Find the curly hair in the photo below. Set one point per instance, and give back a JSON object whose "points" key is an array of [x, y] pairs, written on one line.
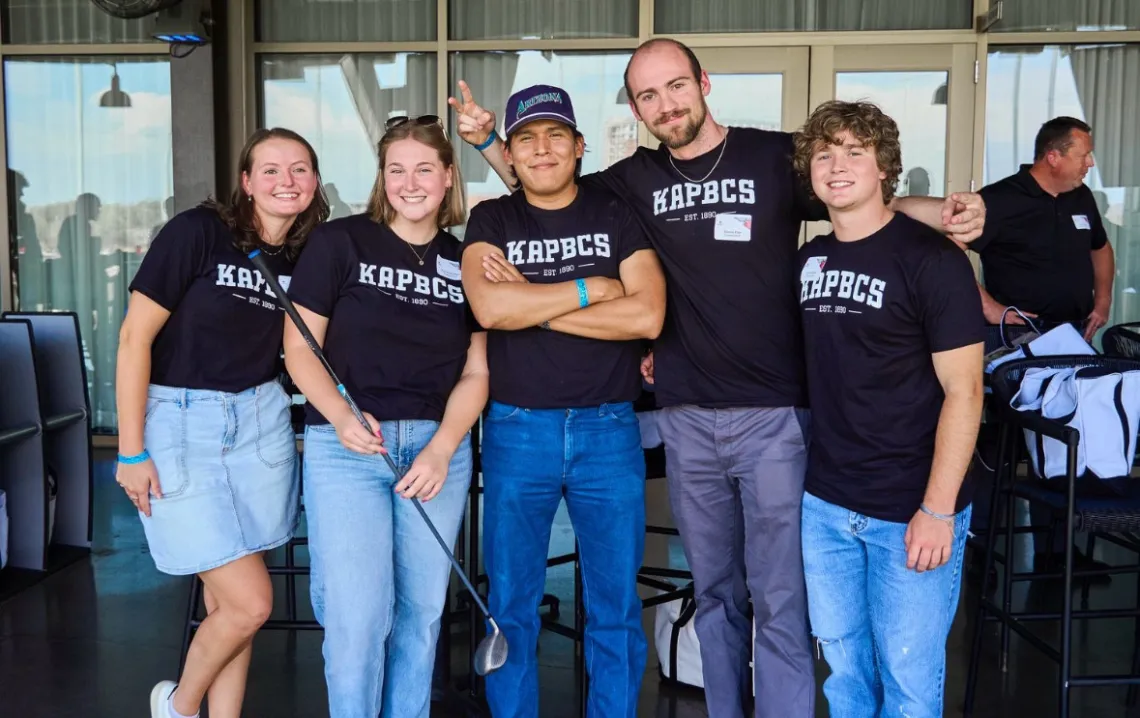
{"points": [[239, 213], [869, 125]]}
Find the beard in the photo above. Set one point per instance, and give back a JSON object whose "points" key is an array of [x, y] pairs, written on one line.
{"points": [[681, 135]]}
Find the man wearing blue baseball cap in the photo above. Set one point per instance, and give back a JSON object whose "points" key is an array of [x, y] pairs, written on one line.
{"points": [[723, 208], [564, 279]]}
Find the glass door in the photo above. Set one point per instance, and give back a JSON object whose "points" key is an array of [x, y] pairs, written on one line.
{"points": [[927, 89], [765, 87]]}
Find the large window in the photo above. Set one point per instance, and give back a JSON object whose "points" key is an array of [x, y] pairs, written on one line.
{"points": [[339, 103], [89, 180], [685, 16], [594, 82], [1101, 85]]}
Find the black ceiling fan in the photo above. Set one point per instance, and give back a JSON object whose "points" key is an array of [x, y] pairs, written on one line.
{"points": [[132, 9]]}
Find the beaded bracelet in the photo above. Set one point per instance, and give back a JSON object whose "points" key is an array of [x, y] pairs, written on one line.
{"points": [[136, 459], [583, 295]]}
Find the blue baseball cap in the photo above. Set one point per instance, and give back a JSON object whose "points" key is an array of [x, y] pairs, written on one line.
{"points": [[539, 102]]}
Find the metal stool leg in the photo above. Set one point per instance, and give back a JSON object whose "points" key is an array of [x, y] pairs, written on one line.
{"points": [[997, 493], [290, 583]]}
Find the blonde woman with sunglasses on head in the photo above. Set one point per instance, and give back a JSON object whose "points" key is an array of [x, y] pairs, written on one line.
{"points": [[381, 293]]}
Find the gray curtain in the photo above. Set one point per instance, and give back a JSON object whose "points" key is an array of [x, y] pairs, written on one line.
{"points": [[346, 21], [1037, 15], [682, 16], [68, 21], [546, 19]]}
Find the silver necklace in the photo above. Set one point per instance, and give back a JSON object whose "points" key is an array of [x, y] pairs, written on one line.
{"points": [[715, 164], [413, 248], [266, 246]]}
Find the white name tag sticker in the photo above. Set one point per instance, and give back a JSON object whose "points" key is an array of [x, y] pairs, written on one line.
{"points": [[813, 269], [1081, 221], [733, 227], [447, 268]]}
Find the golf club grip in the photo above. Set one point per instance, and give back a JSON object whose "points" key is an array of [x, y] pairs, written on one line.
{"points": [[291, 310], [259, 262]]}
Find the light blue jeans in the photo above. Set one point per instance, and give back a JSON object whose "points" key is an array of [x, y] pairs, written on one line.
{"points": [[882, 627], [379, 578]]}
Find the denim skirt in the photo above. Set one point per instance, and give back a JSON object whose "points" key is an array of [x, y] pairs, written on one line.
{"points": [[229, 474]]}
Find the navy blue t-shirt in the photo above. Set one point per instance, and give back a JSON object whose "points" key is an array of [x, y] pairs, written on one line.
{"points": [[726, 227], [874, 311], [540, 369], [225, 327], [398, 331]]}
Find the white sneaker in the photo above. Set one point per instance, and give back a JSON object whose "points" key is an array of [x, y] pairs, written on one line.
{"points": [[160, 699]]}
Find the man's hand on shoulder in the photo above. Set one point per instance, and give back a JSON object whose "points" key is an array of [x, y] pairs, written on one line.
{"points": [[964, 216]]}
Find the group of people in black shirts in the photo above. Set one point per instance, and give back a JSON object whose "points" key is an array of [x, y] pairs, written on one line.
{"points": [[819, 406]]}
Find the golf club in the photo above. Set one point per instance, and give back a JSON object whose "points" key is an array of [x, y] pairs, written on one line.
{"points": [[492, 651]]}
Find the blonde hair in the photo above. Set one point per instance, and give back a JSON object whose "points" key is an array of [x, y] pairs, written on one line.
{"points": [[453, 209]]}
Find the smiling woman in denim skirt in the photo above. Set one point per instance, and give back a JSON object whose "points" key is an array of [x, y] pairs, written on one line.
{"points": [[207, 452]]}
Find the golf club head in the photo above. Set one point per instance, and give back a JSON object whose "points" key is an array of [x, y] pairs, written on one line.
{"points": [[492, 652]]}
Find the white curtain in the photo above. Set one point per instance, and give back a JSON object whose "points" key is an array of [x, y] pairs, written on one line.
{"points": [[69, 21], [524, 19], [346, 20], [1108, 84], [374, 103], [492, 75], [810, 15]]}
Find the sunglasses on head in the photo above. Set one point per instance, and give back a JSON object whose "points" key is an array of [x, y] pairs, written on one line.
{"points": [[394, 122]]}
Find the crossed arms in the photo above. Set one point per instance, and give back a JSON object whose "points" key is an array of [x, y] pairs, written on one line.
{"points": [[502, 298]]}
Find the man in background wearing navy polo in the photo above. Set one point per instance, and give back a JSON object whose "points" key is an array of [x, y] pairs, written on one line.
{"points": [[563, 277], [1044, 250]]}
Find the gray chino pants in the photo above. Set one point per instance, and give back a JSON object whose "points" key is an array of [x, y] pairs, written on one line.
{"points": [[736, 481]]}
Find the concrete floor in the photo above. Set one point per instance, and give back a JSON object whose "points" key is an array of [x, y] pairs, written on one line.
{"points": [[91, 639]]}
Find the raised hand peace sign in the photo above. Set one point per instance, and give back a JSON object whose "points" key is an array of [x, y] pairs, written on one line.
{"points": [[474, 124]]}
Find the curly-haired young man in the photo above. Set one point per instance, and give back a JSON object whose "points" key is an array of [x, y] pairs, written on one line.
{"points": [[893, 332]]}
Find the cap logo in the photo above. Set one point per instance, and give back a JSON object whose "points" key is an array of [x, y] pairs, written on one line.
{"points": [[525, 105]]}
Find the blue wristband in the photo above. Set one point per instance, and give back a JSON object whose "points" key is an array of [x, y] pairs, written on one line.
{"points": [[583, 295], [136, 459], [490, 141]]}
